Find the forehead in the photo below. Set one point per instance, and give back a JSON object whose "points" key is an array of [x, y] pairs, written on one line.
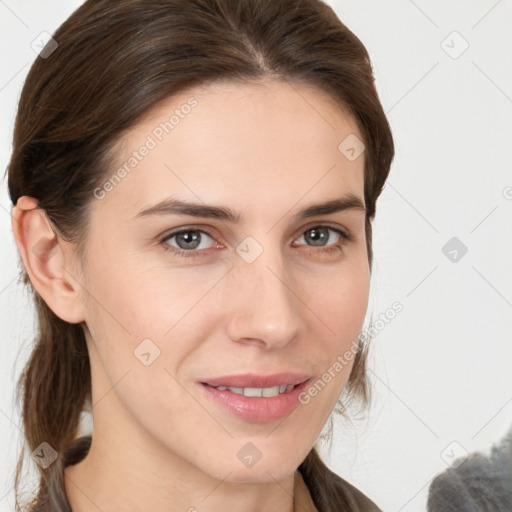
{"points": [[237, 143]]}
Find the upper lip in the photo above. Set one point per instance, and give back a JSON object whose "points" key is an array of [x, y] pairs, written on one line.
{"points": [[257, 381]]}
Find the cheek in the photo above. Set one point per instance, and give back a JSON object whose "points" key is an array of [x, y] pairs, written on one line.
{"points": [[142, 299], [340, 305], [341, 299], [148, 319], [141, 330]]}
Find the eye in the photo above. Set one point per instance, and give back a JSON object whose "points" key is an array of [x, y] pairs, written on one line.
{"points": [[187, 241], [319, 235], [194, 242]]}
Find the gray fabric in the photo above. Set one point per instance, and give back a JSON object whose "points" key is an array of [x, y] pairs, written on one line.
{"points": [[479, 484]]}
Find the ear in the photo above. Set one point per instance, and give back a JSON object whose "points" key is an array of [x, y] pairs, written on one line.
{"points": [[46, 259]]}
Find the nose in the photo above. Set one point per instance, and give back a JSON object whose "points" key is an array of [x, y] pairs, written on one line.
{"points": [[265, 309]]}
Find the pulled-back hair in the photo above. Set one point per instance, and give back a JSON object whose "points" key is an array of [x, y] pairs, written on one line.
{"points": [[114, 61]]}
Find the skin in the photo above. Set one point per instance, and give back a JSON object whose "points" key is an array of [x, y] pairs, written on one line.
{"points": [[266, 150]]}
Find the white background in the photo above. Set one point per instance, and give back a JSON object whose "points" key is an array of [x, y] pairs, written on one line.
{"points": [[441, 368]]}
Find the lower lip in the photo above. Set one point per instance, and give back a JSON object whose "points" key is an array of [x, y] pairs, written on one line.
{"points": [[259, 409]]}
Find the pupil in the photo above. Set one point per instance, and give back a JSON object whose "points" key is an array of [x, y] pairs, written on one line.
{"points": [[190, 241], [318, 235]]}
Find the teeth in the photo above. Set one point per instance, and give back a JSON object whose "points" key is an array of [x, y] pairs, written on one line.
{"points": [[259, 392]]}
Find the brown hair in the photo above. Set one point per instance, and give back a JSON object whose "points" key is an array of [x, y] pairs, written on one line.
{"points": [[114, 61]]}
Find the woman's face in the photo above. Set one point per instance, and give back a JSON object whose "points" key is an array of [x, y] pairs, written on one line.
{"points": [[257, 292]]}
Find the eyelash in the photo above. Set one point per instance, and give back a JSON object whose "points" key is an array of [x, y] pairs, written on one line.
{"points": [[345, 237]]}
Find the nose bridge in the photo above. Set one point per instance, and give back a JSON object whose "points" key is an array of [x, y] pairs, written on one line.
{"points": [[265, 307]]}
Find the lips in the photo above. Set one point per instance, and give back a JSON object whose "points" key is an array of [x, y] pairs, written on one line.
{"points": [[256, 381], [255, 408]]}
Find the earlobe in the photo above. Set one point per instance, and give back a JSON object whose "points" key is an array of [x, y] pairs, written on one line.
{"points": [[43, 255]]}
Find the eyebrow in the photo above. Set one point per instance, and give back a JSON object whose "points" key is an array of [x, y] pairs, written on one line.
{"points": [[176, 207]]}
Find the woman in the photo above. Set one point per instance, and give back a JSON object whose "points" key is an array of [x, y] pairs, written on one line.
{"points": [[193, 186]]}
